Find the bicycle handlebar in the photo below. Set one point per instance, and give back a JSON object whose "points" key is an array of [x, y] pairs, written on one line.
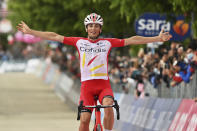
{"points": [[99, 106], [116, 106], [80, 107]]}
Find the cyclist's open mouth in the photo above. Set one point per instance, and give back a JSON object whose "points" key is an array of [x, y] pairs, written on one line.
{"points": [[93, 33]]}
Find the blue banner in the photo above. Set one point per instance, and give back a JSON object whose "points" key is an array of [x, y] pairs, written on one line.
{"points": [[150, 24], [157, 117], [148, 114], [136, 114]]}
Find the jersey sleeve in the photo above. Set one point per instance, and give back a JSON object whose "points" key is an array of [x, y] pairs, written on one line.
{"points": [[71, 40], [117, 42]]}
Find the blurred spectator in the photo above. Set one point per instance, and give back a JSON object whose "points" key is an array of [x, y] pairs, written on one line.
{"points": [[5, 55], [140, 90], [195, 99], [169, 64]]}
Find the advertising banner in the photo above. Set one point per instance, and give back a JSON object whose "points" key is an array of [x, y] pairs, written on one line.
{"points": [[183, 115], [150, 24], [162, 114], [148, 114], [191, 125]]}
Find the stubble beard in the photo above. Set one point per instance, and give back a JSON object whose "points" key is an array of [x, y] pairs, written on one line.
{"points": [[93, 37]]}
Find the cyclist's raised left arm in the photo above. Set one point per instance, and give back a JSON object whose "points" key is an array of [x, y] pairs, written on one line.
{"points": [[163, 36], [44, 35]]}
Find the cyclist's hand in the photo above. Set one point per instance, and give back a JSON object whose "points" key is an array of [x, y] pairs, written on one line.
{"points": [[164, 36], [23, 28]]}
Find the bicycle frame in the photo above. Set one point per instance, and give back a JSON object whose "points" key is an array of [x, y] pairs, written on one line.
{"points": [[98, 126], [97, 119]]}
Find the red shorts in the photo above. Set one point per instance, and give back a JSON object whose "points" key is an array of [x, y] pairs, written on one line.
{"points": [[96, 87]]}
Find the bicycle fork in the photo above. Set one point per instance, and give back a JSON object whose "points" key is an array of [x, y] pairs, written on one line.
{"points": [[98, 126]]}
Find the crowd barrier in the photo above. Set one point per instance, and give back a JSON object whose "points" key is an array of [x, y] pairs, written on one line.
{"points": [[182, 90], [64, 86], [147, 114], [12, 66]]}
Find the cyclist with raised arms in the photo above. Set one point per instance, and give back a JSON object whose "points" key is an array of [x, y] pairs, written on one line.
{"points": [[93, 55]]}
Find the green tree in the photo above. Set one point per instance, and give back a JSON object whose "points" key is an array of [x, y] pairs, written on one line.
{"points": [[132, 9], [66, 17]]}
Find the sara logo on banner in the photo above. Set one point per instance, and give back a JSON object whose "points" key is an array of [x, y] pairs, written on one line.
{"points": [[150, 24]]}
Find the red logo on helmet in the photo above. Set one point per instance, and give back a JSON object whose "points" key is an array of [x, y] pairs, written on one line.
{"points": [[94, 17], [181, 28]]}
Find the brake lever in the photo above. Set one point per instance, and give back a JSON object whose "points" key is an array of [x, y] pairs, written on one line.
{"points": [[80, 107], [117, 109]]}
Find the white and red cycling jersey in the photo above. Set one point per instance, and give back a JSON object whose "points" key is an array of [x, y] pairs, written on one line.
{"points": [[93, 55]]}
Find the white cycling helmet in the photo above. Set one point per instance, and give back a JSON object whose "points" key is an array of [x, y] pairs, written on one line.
{"points": [[93, 18]]}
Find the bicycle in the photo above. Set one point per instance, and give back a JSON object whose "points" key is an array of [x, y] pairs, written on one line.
{"points": [[98, 126]]}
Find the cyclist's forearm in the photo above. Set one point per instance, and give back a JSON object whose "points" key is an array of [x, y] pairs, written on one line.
{"points": [[44, 35], [141, 40]]}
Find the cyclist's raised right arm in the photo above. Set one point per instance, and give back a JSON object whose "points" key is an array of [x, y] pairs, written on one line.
{"points": [[44, 35]]}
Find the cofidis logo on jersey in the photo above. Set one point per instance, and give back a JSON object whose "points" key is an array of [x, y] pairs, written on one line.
{"points": [[84, 49], [150, 24]]}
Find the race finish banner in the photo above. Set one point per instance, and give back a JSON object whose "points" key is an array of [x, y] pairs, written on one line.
{"points": [[186, 117], [150, 24]]}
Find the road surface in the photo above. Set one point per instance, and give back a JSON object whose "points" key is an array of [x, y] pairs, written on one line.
{"points": [[28, 104]]}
